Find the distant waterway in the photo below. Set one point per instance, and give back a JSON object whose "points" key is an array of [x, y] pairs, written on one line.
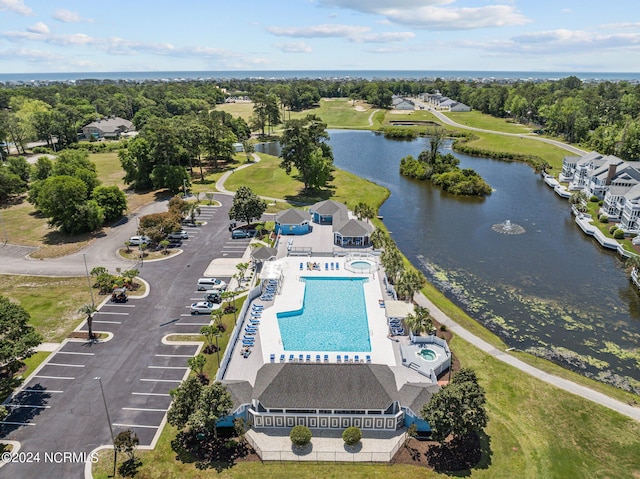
{"points": [[551, 290]]}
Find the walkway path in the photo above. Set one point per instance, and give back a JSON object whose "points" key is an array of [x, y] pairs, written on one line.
{"points": [[445, 119], [574, 388], [221, 181], [371, 117]]}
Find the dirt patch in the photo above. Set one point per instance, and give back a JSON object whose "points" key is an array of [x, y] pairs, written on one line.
{"points": [[360, 108]]}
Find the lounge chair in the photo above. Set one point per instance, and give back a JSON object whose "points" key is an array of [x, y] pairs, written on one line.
{"points": [[300, 266], [339, 359], [257, 307], [272, 358], [301, 358], [346, 358], [338, 266], [326, 358], [291, 358], [308, 358], [368, 358], [282, 358], [249, 333], [326, 266], [357, 358], [317, 358], [332, 266]]}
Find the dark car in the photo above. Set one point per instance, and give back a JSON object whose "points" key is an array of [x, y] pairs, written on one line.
{"points": [[213, 297]]}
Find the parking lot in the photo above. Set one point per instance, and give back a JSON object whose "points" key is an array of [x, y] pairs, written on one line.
{"points": [[61, 408]]}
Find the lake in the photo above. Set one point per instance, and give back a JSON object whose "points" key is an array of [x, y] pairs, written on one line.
{"points": [[551, 291]]}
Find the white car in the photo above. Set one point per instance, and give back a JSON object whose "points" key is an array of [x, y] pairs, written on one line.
{"points": [[138, 240], [203, 307], [178, 235]]}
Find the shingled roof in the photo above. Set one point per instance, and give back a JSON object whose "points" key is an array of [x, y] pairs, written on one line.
{"points": [[330, 207], [325, 386], [292, 216], [352, 228]]}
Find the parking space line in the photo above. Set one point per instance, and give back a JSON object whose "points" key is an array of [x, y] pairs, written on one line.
{"points": [[162, 380], [53, 377], [143, 409], [72, 352], [174, 355], [136, 425], [167, 367], [113, 312], [151, 394], [12, 423], [119, 305], [28, 406], [106, 322], [46, 391], [191, 324], [66, 365]]}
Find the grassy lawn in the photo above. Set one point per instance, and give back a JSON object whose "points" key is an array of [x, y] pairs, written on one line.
{"points": [[477, 119], [108, 168], [266, 178], [53, 303], [28, 366], [242, 109], [340, 113], [592, 209]]}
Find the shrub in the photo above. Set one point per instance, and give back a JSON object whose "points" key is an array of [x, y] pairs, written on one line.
{"points": [[443, 327], [300, 436], [612, 228], [618, 234], [351, 436], [594, 199], [600, 203], [604, 219]]}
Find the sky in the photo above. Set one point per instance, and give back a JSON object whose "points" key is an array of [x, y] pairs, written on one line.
{"points": [[200, 35]]}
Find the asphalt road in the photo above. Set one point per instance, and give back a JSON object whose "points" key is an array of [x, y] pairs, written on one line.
{"points": [[61, 409]]}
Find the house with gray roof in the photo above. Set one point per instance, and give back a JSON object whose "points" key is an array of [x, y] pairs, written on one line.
{"points": [[399, 103], [352, 232], [328, 396], [328, 211], [293, 222], [111, 127]]}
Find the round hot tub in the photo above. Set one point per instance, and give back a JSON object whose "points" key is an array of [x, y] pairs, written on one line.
{"points": [[428, 354], [361, 265]]}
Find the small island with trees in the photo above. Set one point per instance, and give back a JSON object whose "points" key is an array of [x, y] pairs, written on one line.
{"points": [[442, 170]]}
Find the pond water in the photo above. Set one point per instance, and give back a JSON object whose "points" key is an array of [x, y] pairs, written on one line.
{"points": [[550, 290]]}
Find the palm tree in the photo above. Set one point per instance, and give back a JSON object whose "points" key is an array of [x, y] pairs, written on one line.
{"points": [[420, 321], [193, 211], [379, 238], [89, 310], [409, 282], [165, 245], [216, 316], [632, 263]]}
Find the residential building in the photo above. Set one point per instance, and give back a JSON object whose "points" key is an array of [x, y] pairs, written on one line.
{"points": [[111, 127]]}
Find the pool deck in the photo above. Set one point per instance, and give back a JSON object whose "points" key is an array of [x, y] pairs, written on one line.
{"points": [[384, 349]]}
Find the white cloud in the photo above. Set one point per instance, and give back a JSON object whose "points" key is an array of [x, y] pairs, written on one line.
{"points": [[386, 37], [293, 47], [67, 16], [435, 14], [318, 31], [16, 6], [561, 41], [38, 28]]}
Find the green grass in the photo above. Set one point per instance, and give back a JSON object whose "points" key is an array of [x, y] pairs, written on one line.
{"points": [[477, 119], [28, 366], [243, 110], [109, 169], [52, 302], [592, 209], [266, 178]]}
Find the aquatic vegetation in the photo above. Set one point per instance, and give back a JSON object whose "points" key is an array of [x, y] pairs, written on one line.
{"points": [[624, 354]]}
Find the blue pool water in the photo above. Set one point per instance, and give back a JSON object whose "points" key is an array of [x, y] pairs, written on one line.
{"points": [[333, 318]]}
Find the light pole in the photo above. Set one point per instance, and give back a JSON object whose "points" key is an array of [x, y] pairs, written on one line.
{"points": [[113, 439], [86, 268], [218, 349], [184, 186]]}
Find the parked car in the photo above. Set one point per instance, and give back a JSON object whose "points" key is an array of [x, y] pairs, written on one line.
{"points": [[178, 235], [202, 307], [206, 284], [235, 234], [213, 297], [138, 240]]}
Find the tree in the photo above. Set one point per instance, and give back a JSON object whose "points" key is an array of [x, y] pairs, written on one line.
{"points": [[42, 169], [409, 282], [184, 402], [420, 321], [112, 200], [59, 198], [197, 363], [435, 138], [127, 442], [379, 238], [247, 206], [18, 337], [364, 211], [458, 408], [209, 332], [20, 167], [89, 310], [392, 262], [10, 184], [172, 177], [304, 146], [213, 404], [216, 317], [300, 435], [137, 163]]}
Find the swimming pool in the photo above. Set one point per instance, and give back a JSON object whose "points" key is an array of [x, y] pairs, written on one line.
{"points": [[361, 265], [333, 317]]}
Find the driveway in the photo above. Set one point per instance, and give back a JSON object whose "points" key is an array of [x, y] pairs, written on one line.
{"points": [[60, 408]]}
